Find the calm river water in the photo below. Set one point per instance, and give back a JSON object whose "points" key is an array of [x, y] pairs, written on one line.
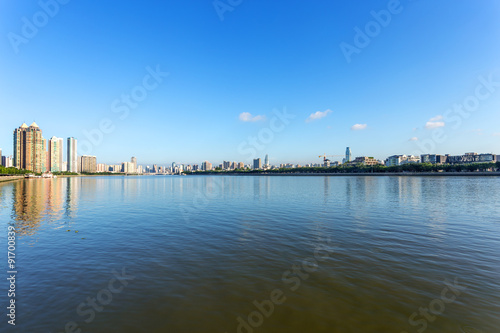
{"points": [[254, 254]]}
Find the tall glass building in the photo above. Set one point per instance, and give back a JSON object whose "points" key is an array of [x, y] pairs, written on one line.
{"points": [[348, 155]]}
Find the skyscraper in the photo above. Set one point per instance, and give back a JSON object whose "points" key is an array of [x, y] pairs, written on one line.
{"points": [[266, 160], [29, 148], [72, 155], [1, 156], [55, 162], [347, 155]]}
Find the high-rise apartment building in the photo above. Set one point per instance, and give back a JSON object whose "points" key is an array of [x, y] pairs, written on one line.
{"points": [[72, 155], [128, 167], [206, 166], [88, 164], [29, 148], [257, 163], [55, 154]]}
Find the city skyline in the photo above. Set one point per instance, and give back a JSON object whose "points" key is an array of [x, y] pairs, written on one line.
{"points": [[33, 152], [341, 85]]}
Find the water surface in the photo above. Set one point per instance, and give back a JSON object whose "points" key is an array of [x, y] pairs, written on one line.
{"points": [[201, 251]]}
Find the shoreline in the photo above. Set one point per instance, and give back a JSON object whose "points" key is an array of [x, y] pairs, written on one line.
{"points": [[362, 174], [4, 179]]}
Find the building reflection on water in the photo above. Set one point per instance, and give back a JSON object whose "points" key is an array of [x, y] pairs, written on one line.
{"points": [[43, 200]]}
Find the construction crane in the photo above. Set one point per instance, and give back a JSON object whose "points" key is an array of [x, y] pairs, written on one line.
{"points": [[326, 160]]}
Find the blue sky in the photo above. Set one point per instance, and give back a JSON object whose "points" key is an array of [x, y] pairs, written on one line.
{"points": [[225, 77]]}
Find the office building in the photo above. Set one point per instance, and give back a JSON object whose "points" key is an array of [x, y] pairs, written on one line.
{"points": [[29, 148], [55, 154], [266, 161], [433, 159], [72, 155], [226, 165]]}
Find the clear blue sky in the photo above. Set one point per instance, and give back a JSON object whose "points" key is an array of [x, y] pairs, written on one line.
{"points": [[263, 55]]}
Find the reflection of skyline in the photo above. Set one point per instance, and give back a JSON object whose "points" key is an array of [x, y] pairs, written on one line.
{"points": [[37, 199], [72, 192]]}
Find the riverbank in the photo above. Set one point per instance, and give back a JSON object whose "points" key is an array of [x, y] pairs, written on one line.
{"points": [[4, 179], [358, 174]]}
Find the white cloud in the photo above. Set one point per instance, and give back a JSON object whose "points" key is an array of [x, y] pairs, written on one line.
{"points": [[414, 139], [318, 115], [247, 117], [496, 134], [434, 122], [436, 118], [359, 127]]}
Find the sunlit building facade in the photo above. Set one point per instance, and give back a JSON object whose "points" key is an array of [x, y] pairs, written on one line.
{"points": [[29, 148]]}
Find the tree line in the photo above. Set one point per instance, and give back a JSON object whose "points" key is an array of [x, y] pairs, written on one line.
{"points": [[361, 168]]}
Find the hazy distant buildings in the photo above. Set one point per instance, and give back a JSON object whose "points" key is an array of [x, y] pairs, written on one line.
{"points": [[88, 164], [471, 158], [7, 161], [257, 164], [29, 148], [370, 161], [55, 154], [72, 155], [266, 161], [396, 160], [133, 160]]}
